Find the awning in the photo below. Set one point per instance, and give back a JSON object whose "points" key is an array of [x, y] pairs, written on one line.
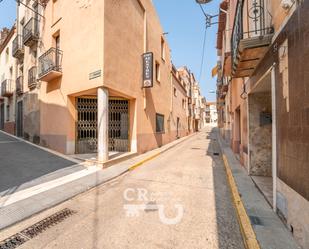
{"points": [[214, 71]]}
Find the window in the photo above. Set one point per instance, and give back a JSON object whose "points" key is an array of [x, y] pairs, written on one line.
{"points": [[158, 72], [7, 53], [159, 122], [11, 72], [175, 92], [162, 48]]}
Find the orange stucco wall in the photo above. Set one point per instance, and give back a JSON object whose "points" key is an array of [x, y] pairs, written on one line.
{"points": [[111, 37]]}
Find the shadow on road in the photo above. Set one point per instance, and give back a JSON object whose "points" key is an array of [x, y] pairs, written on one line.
{"points": [[22, 163]]}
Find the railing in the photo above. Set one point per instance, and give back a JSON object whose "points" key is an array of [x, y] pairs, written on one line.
{"points": [[6, 88], [253, 15], [20, 85], [32, 77], [17, 45], [51, 60], [31, 29]]}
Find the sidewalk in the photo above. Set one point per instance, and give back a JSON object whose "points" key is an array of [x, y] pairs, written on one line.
{"points": [[270, 232], [27, 202]]}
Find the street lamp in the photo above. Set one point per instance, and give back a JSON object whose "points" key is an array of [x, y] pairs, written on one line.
{"points": [[203, 1]]}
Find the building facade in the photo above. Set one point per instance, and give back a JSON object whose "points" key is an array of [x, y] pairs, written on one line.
{"points": [[7, 82], [262, 100], [196, 102], [79, 88], [211, 113]]}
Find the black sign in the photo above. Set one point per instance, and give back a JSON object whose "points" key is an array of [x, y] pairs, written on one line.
{"points": [[148, 70]]}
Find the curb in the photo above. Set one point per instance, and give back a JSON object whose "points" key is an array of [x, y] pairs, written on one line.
{"points": [[140, 163], [134, 166], [246, 228]]}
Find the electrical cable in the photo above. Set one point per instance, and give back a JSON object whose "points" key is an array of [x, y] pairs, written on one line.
{"points": [[203, 10], [203, 55]]}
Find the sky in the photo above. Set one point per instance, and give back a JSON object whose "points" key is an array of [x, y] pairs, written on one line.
{"points": [[185, 23], [7, 13]]}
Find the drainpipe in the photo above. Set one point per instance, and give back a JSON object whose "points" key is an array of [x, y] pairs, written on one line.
{"points": [[16, 69], [274, 136]]}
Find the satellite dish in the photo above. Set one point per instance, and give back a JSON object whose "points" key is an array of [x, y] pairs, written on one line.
{"points": [[203, 1]]}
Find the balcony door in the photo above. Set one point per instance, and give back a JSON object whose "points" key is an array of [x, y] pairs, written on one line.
{"points": [[57, 42]]}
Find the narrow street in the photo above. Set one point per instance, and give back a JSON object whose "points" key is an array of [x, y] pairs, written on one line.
{"points": [[189, 175]]}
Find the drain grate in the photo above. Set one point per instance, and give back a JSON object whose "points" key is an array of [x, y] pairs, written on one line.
{"points": [[255, 220], [42, 225], [34, 230], [13, 242]]}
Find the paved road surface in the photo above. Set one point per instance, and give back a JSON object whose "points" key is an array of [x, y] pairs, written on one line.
{"points": [[188, 175], [23, 165]]}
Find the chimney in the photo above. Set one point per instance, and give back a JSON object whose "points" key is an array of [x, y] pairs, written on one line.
{"points": [[3, 35]]}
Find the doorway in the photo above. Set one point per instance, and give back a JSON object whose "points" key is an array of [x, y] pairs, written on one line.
{"points": [[118, 127], [177, 127], [260, 136], [86, 126], [2, 116], [237, 140], [19, 119]]}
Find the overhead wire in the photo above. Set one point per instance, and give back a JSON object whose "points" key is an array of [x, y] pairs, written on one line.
{"points": [[203, 55]]}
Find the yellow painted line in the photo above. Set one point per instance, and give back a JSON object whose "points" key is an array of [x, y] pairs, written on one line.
{"points": [[134, 166], [246, 229]]}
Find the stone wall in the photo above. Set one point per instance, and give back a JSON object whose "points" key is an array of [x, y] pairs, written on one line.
{"points": [[295, 210], [260, 135], [32, 117]]}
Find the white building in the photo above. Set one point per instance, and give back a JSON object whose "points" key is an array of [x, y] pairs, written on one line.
{"points": [[7, 81]]}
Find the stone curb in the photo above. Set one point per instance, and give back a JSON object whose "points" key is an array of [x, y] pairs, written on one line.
{"points": [[246, 228]]}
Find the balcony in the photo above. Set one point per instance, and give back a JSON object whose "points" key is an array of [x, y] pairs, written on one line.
{"points": [[20, 85], [18, 47], [251, 37], [31, 32], [7, 88], [50, 65], [32, 80]]}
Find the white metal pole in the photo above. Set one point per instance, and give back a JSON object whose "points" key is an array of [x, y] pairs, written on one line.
{"points": [[102, 124]]}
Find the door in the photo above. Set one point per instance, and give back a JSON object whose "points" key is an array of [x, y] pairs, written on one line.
{"points": [[118, 125], [2, 116], [86, 127], [19, 119], [177, 125]]}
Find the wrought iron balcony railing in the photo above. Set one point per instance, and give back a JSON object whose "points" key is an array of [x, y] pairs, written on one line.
{"points": [[32, 78], [31, 32], [252, 29], [20, 85], [18, 47], [50, 64], [7, 88]]}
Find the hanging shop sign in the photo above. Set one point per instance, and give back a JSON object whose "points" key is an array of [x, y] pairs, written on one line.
{"points": [[148, 70]]}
